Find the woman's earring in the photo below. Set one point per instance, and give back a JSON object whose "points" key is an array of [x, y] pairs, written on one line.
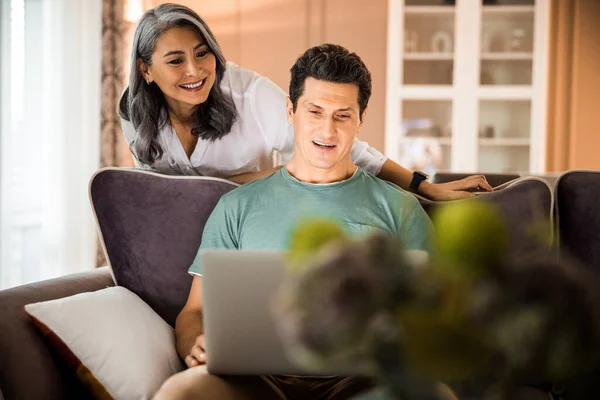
{"points": [[148, 81]]}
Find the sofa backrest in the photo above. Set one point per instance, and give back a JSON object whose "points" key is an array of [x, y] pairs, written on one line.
{"points": [[577, 195], [151, 226]]}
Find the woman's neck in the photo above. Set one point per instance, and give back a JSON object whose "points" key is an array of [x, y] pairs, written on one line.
{"points": [[180, 114], [181, 119], [182, 122]]}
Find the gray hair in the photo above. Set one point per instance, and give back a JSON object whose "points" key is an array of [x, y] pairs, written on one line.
{"points": [[144, 104]]}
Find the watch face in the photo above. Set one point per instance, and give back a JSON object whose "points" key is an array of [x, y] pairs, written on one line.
{"points": [[423, 174]]}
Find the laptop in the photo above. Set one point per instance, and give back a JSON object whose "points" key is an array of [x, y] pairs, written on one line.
{"points": [[240, 332]]}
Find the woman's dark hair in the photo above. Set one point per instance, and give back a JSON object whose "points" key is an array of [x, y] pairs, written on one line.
{"points": [[331, 63], [144, 104]]}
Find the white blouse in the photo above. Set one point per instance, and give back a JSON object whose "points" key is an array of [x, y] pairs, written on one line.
{"points": [[260, 129]]}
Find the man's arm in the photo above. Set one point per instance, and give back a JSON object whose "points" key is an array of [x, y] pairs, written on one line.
{"points": [[219, 233], [188, 327]]}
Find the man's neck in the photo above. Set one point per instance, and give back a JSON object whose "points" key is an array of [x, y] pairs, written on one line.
{"points": [[305, 172]]}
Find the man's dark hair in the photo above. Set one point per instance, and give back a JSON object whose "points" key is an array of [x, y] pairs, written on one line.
{"points": [[331, 63]]}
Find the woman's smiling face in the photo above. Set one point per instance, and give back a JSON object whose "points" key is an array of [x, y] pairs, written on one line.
{"points": [[183, 67]]}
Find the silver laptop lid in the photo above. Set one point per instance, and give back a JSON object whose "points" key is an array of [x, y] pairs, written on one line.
{"points": [[241, 336]]}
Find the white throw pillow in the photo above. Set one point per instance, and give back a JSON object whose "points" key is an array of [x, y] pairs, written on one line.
{"points": [[115, 343]]}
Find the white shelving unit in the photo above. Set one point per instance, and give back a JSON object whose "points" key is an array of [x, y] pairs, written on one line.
{"points": [[466, 85], [420, 10], [428, 56]]}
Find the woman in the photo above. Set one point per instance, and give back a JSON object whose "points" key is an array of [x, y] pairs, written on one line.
{"points": [[188, 111]]}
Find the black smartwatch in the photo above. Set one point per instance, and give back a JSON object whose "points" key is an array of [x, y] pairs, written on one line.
{"points": [[418, 177]]}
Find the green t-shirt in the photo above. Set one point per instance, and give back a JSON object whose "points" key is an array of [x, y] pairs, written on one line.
{"points": [[261, 214]]}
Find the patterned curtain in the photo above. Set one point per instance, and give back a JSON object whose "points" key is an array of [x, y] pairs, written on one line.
{"points": [[116, 39]]}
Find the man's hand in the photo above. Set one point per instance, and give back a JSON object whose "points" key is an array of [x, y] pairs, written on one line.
{"points": [[189, 329], [197, 355], [446, 393]]}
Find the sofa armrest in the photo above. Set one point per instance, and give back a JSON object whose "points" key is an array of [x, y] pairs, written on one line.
{"points": [[29, 369]]}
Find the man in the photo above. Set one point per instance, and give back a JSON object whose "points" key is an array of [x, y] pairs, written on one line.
{"points": [[327, 103]]}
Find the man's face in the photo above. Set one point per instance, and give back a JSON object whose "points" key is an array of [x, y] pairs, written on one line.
{"points": [[326, 122]]}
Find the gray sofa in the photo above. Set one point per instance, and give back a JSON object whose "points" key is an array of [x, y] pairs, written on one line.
{"points": [[150, 243]]}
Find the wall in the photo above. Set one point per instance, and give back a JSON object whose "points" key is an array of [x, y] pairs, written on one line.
{"points": [[574, 86], [585, 125], [268, 35]]}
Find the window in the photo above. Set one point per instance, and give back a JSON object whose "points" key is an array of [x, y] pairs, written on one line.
{"points": [[49, 133]]}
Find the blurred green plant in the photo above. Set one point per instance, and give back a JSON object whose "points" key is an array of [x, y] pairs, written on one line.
{"points": [[472, 316]]}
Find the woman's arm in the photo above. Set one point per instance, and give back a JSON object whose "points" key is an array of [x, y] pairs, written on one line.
{"points": [[374, 162], [395, 173]]}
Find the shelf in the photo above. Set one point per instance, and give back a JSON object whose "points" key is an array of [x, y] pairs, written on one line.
{"points": [[428, 10], [446, 92], [426, 92], [443, 141], [504, 141], [507, 56], [428, 56], [508, 9], [507, 92]]}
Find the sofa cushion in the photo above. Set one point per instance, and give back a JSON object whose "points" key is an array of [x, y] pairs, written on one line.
{"points": [[578, 216], [113, 341], [29, 369], [527, 206], [151, 226]]}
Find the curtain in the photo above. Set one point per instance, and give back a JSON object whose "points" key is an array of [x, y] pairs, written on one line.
{"points": [[559, 89], [116, 39]]}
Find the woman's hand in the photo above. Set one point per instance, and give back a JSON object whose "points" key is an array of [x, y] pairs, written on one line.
{"points": [[456, 189]]}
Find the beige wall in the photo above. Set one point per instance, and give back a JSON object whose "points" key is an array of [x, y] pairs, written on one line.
{"points": [[574, 86], [268, 35], [361, 26], [585, 118]]}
